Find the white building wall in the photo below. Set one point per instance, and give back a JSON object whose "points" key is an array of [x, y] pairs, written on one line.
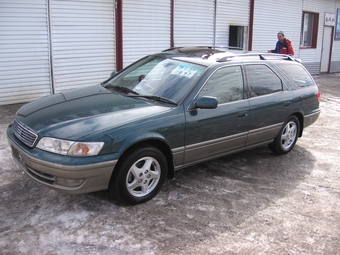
{"points": [[146, 28], [24, 51], [271, 16], [311, 58], [83, 42], [80, 49], [229, 12], [194, 22], [268, 20], [45, 42]]}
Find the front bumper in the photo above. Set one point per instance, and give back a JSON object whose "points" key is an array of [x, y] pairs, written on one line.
{"points": [[80, 177]]}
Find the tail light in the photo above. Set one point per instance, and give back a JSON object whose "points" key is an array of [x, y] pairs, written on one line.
{"points": [[318, 96]]}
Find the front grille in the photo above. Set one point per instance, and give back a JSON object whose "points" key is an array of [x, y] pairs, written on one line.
{"points": [[24, 134]]}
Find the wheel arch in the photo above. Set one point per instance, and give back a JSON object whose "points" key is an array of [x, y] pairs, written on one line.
{"points": [[299, 116], [157, 143]]}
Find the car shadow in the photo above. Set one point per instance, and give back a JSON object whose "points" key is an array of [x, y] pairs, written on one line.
{"points": [[239, 184]]}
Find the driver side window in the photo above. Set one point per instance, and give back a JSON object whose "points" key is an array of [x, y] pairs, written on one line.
{"points": [[226, 84]]}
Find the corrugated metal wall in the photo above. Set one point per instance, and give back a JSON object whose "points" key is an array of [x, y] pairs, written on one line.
{"points": [[24, 51], [194, 22], [83, 42], [81, 34], [146, 28], [230, 13], [272, 16]]}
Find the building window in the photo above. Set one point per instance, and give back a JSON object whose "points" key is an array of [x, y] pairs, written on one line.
{"points": [[236, 35], [309, 29]]}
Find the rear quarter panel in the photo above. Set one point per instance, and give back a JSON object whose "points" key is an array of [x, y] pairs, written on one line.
{"points": [[307, 99], [307, 103]]}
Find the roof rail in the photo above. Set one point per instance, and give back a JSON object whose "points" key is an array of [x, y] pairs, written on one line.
{"points": [[203, 47], [262, 56]]}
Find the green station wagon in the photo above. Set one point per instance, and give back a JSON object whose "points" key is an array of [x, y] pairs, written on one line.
{"points": [[167, 111]]}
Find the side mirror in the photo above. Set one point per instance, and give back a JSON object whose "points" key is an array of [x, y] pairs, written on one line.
{"points": [[207, 103], [113, 74]]}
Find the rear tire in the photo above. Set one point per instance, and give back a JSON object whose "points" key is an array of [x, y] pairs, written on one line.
{"points": [[139, 175], [287, 137]]}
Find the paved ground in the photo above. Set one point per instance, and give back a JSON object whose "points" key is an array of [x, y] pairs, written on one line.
{"points": [[248, 203]]}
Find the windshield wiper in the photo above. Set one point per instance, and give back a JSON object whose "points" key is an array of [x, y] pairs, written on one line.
{"points": [[123, 89], [157, 98]]}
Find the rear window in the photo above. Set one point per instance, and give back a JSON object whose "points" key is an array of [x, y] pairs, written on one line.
{"points": [[298, 74]]}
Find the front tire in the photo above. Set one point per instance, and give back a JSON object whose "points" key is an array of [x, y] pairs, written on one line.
{"points": [[286, 139], [139, 175]]}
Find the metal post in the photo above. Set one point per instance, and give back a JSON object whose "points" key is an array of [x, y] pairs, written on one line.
{"points": [[49, 27], [215, 20]]}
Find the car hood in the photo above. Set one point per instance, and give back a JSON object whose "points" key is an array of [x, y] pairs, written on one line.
{"points": [[78, 113]]}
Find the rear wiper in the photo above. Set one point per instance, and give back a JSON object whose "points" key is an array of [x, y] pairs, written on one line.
{"points": [[121, 88], [157, 98]]}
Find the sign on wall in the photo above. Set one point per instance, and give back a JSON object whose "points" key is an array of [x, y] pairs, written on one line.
{"points": [[329, 19], [337, 28]]}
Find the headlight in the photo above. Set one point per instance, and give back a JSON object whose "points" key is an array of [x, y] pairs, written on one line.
{"points": [[71, 148]]}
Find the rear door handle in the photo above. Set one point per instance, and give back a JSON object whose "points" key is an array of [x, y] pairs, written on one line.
{"points": [[242, 114]]}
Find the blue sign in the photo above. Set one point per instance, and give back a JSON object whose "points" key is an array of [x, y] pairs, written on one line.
{"points": [[337, 26]]}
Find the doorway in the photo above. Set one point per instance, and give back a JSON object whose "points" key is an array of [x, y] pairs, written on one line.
{"points": [[326, 49]]}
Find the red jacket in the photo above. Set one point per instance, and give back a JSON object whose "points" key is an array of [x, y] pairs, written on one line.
{"points": [[284, 48]]}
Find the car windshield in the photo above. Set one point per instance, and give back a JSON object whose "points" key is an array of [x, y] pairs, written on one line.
{"points": [[158, 77]]}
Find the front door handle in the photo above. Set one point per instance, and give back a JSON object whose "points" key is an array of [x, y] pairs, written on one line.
{"points": [[242, 114], [287, 103]]}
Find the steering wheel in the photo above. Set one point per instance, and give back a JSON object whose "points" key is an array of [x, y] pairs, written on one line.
{"points": [[144, 84], [141, 77]]}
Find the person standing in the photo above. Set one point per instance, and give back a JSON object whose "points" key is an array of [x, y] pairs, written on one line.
{"points": [[283, 45]]}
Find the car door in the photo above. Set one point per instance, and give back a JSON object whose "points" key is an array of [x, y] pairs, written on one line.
{"points": [[214, 132], [270, 102]]}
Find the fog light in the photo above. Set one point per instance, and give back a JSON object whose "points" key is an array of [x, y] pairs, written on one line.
{"points": [[69, 182]]}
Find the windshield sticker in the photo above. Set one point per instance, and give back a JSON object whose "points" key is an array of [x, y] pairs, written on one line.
{"points": [[185, 70]]}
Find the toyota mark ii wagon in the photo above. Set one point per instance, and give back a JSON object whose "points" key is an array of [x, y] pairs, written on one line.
{"points": [[165, 112]]}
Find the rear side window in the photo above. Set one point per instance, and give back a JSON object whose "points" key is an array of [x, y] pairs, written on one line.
{"points": [[262, 80], [297, 73]]}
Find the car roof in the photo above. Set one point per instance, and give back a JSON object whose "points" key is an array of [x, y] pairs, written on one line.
{"points": [[212, 55]]}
